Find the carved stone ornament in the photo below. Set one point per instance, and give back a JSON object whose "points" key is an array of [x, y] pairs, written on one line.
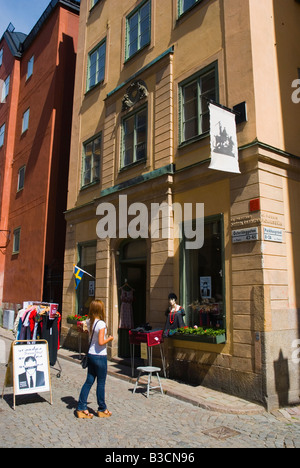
{"points": [[134, 93]]}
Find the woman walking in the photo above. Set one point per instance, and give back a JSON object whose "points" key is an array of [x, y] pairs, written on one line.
{"points": [[97, 362]]}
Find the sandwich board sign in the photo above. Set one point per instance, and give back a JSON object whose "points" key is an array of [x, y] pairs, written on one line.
{"points": [[28, 369]]}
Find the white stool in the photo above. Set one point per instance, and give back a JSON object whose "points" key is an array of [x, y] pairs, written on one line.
{"points": [[149, 370]]}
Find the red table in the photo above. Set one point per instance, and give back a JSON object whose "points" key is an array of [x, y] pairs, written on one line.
{"points": [[152, 338]]}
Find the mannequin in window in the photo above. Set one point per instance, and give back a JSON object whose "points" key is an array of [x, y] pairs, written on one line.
{"points": [[175, 314]]}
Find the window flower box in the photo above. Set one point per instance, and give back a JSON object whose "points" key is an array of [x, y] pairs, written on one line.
{"points": [[202, 335]]}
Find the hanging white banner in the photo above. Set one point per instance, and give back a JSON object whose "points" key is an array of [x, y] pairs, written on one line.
{"points": [[223, 140]]}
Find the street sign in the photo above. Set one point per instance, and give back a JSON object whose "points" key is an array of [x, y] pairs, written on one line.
{"points": [[273, 235], [245, 235]]}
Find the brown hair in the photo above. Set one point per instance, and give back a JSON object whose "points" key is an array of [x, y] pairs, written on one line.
{"points": [[96, 311]]}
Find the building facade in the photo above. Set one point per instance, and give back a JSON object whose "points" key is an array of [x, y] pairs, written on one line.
{"points": [[35, 120], [146, 71]]}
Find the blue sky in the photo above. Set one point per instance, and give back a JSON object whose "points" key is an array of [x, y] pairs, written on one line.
{"points": [[23, 14]]}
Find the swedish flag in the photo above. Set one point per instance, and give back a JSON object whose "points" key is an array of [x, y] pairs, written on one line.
{"points": [[78, 275]]}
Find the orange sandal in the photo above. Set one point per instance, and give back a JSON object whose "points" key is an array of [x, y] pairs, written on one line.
{"points": [[84, 415], [104, 414]]}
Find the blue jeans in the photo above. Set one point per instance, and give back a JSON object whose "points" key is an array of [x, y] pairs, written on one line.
{"points": [[97, 368]]}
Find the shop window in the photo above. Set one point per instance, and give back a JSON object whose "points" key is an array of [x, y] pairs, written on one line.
{"points": [[21, 178], [134, 144], [2, 133], [86, 288], [138, 29], [91, 161], [195, 94], [96, 65], [16, 241], [203, 282]]}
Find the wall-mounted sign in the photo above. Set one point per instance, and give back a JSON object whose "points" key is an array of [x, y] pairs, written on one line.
{"points": [[273, 234], [245, 235], [254, 205], [223, 140]]}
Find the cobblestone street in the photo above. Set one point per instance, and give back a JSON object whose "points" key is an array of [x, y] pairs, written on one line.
{"points": [[137, 422]]}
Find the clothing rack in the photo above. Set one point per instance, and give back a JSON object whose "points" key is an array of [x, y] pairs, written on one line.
{"points": [[47, 307]]}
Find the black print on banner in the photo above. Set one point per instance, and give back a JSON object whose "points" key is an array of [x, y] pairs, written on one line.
{"points": [[223, 142]]}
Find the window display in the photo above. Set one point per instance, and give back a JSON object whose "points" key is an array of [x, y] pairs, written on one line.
{"points": [[86, 287], [202, 282]]}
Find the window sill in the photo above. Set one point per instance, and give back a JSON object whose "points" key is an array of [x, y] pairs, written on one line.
{"points": [[132, 165], [97, 85], [92, 184], [128, 59], [194, 140]]}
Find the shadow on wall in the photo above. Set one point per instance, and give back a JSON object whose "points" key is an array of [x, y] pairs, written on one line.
{"points": [[282, 380]]}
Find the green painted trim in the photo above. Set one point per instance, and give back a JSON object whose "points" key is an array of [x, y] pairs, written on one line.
{"points": [[170, 169], [133, 115], [214, 66], [88, 88], [76, 208], [268, 147], [131, 14]]}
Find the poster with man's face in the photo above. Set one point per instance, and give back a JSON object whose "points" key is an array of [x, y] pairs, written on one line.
{"points": [[205, 287], [31, 369]]}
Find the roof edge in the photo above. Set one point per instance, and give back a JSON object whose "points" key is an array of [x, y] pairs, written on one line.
{"points": [[72, 5]]}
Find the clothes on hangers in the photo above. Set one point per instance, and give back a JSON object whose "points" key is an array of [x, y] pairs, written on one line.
{"points": [[126, 311], [27, 326], [50, 331], [34, 323], [17, 324]]}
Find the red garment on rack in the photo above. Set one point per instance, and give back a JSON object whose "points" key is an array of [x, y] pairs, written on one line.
{"points": [[32, 317]]}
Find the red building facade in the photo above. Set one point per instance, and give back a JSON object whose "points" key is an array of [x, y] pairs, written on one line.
{"points": [[36, 115]]}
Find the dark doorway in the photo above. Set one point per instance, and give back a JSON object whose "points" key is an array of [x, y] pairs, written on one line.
{"points": [[133, 271]]}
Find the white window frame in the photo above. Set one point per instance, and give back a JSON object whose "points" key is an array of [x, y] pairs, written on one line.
{"points": [[2, 135], [25, 120], [30, 67], [5, 89]]}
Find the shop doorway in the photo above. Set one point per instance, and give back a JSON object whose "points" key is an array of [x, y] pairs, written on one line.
{"points": [[133, 274]]}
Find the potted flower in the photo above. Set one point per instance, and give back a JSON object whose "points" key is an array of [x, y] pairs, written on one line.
{"points": [[73, 319]]}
